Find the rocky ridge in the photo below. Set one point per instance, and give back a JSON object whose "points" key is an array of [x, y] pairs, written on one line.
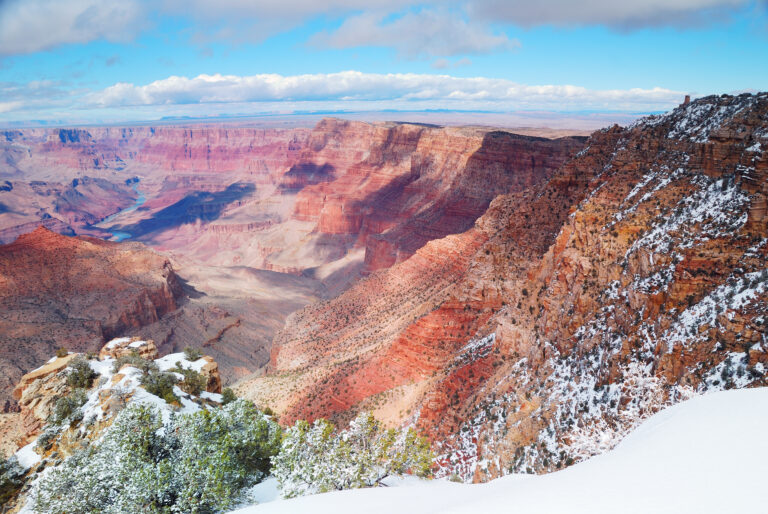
{"points": [[634, 277], [281, 200]]}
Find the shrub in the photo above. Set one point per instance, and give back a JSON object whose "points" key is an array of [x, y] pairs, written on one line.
{"points": [[45, 440], [80, 373], [200, 463], [11, 474], [192, 354], [135, 361], [67, 408], [160, 383], [62, 352], [228, 396], [316, 458], [193, 383]]}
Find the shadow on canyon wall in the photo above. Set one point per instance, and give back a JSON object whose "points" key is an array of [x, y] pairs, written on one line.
{"points": [[200, 205]]}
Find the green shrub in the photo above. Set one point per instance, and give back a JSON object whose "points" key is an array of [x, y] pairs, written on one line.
{"points": [[160, 383], [67, 408], [192, 354], [62, 352], [200, 463], [193, 382], [80, 373], [228, 396], [316, 458], [11, 474], [45, 440], [135, 361]]}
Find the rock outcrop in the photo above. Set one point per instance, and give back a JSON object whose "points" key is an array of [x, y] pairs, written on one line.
{"points": [[38, 391], [633, 277]]}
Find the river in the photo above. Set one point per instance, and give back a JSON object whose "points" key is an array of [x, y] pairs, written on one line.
{"points": [[118, 235]]}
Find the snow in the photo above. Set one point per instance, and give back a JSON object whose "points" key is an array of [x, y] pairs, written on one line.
{"points": [[170, 360], [117, 341], [734, 295], [27, 456], [705, 455]]}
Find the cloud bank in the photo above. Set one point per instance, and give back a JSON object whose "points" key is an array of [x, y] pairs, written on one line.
{"points": [[401, 88], [426, 33]]}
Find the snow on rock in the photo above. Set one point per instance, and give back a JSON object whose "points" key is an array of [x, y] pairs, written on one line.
{"points": [[705, 455], [169, 362], [27, 457], [734, 295]]}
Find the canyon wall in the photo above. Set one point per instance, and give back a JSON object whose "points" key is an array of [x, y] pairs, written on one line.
{"points": [[283, 200], [258, 223], [634, 277]]}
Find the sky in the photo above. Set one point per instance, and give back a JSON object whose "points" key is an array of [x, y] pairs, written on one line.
{"points": [[106, 61]]}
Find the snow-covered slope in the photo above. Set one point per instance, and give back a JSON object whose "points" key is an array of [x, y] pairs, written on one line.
{"points": [[706, 455]]}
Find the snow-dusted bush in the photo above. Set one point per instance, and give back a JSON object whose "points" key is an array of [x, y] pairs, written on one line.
{"points": [[80, 373], [67, 408], [10, 478], [316, 458], [220, 452], [160, 383], [136, 361], [228, 396], [192, 354], [194, 463], [193, 382]]}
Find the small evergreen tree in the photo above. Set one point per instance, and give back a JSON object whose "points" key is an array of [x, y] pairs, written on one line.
{"points": [[160, 383], [315, 458], [228, 396], [193, 382], [11, 474], [67, 408], [80, 374], [192, 354]]}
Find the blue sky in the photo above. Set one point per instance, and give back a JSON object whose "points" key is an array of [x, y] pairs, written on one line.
{"points": [[73, 61]]}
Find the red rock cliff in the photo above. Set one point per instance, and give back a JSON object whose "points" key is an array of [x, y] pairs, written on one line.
{"points": [[632, 278]]}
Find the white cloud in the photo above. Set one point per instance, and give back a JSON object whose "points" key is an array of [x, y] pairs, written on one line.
{"points": [[625, 14], [426, 33], [403, 89], [28, 26]]}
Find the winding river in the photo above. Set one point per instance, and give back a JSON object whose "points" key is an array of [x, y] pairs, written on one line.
{"points": [[119, 235]]}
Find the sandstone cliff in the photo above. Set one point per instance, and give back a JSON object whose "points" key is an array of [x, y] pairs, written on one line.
{"points": [[634, 277]]}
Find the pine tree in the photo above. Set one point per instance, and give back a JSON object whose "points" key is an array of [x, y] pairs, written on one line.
{"points": [[316, 458]]}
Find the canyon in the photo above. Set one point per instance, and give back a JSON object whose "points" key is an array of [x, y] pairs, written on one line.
{"points": [[522, 301], [631, 279], [251, 224]]}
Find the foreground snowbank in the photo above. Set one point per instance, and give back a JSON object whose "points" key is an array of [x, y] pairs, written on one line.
{"points": [[706, 455]]}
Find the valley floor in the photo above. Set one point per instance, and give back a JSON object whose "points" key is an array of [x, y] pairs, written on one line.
{"points": [[706, 455]]}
